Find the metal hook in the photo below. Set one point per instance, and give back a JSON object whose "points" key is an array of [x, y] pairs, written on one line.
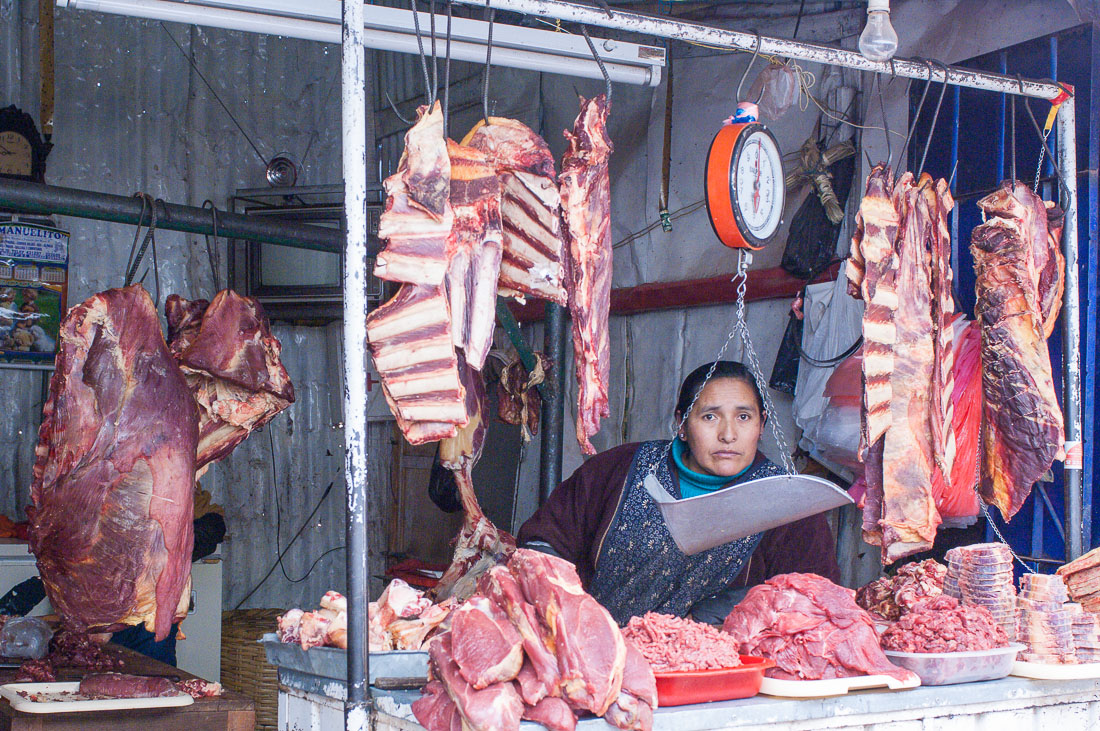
{"points": [[599, 62], [935, 117], [607, 9], [447, 75], [488, 59], [920, 106], [393, 106], [429, 90], [755, 52]]}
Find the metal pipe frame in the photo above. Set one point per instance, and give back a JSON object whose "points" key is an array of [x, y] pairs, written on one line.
{"points": [[666, 27], [35, 198], [357, 707], [553, 428]]}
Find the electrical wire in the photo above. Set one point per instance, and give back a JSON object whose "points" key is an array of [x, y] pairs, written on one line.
{"points": [[209, 86], [678, 213]]}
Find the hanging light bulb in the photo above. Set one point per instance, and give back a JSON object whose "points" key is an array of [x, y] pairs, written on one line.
{"points": [[878, 41]]}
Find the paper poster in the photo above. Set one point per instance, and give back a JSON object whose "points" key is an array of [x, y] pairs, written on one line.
{"points": [[34, 272]]}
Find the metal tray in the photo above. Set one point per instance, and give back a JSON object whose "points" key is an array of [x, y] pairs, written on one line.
{"points": [[332, 662], [705, 521]]}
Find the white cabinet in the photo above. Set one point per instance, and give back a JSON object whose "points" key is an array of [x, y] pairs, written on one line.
{"points": [[201, 652]]}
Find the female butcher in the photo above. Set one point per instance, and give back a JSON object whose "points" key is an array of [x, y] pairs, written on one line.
{"points": [[602, 519]]}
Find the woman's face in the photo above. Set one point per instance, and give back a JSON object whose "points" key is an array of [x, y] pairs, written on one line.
{"points": [[723, 429]]}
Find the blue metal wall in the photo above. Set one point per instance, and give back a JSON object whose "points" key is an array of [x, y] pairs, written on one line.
{"points": [[977, 139]]}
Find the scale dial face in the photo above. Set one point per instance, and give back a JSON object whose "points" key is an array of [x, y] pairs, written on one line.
{"points": [[756, 185], [745, 189]]}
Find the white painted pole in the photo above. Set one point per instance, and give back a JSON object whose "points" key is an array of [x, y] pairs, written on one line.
{"points": [[354, 110], [666, 27], [1071, 334]]}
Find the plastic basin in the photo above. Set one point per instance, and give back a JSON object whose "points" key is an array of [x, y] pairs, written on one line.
{"points": [[949, 668], [703, 686]]}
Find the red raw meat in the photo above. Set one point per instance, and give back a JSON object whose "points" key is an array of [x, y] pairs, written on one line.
{"points": [[539, 676], [495, 708], [115, 470], [435, 710], [633, 710], [231, 362], [585, 185], [486, 646], [119, 685], [811, 627], [553, 713], [673, 644], [589, 646], [941, 624]]}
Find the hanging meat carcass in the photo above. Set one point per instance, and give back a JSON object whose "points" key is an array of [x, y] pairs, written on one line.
{"points": [[585, 185], [1018, 296], [909, 516], [418, 216], [411, 342], [480, 544], [474, 249], [231, 362], [111, 523], [531, 209]]}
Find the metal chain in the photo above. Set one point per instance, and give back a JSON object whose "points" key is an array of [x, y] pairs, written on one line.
{"points": [[1039, 165], [740, 327], [744, 258]]}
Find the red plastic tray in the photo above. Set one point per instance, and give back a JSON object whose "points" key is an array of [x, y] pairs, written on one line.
{"points": [[703, 686]]}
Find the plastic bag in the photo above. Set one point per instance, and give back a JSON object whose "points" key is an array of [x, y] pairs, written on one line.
{"points": [[777, 89], [27, 637], [785, 371]]}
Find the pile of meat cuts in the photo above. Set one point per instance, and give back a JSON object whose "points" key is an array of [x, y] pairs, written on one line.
{"points": [[1086, 634], [72, 650], [981, 574], [1082, 578], [674, 644], [129, 421], [811, 628], [401, 619], [941, 624], [466, 222], [918, 440], [531, 644], [891, 596], [1044, 622]]}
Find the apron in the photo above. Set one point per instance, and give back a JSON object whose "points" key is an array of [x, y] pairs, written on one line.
{"points": [[638, 544]]}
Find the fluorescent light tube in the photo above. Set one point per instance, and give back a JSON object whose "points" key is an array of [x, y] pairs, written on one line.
{"points": [[391, 29]]}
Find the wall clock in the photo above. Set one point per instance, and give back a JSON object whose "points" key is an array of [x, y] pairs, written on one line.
{"points": [[22, 150], [745, 191]]}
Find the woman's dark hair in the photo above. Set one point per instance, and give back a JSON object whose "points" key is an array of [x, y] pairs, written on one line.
{"points": [[695, 381]]}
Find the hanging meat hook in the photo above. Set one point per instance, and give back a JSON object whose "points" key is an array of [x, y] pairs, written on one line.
{"points": [[429, 90], [599, 62], [935, 116], [755, 53], [920, 106], [490, 13]]}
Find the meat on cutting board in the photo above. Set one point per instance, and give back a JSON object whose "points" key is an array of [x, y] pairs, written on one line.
{"points": [[111, 523], [120, 685], [532, 263], [232, 363], [811, 627], [474, 249], [418, 216], [585, 185], [1023, 434], [590, 648], [486, 646]]}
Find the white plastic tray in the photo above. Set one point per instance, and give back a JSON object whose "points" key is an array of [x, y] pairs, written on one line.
{"points": [[833, 686], [52, 700], [1043, 671], [745, 509]]}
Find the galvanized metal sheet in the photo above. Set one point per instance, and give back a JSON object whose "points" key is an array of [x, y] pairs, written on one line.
{"points": [[332, 662]]}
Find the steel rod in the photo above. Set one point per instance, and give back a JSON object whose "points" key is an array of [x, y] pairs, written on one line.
{"points": [[666, 27], [1071, 332], [554, 406], [47, 200], [357, 707]]}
